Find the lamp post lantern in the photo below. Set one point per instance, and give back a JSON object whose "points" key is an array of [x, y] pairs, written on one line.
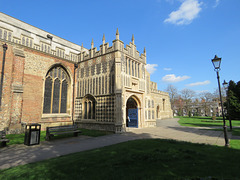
{"points": [[225, 85], [216, 63]]}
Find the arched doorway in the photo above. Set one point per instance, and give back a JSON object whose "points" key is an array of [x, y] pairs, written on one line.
{"points": [[132, 113]]}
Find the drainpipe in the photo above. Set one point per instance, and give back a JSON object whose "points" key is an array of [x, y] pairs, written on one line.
{"points": [[5, 47], [75, 67]]}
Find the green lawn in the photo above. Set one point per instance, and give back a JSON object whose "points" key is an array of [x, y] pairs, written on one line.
{"points": [[139, 159], [208, 122], [19, 138], [204, 122]]}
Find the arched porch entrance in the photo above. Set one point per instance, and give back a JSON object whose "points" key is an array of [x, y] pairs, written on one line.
{"points": [[132, 112]]}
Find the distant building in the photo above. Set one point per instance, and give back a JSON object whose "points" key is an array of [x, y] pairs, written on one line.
{"points": [[197, 108], [51, 81]]}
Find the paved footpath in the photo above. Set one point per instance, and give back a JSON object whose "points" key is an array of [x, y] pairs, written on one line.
{"points": [[15, 155]]}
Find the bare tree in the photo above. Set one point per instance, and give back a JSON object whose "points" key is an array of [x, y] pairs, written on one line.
{"points": [[207, 99], [173, 94], [187, 95]]}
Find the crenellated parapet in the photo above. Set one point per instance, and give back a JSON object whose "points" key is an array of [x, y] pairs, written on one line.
{"points": [[117, 45], [18, 32]]}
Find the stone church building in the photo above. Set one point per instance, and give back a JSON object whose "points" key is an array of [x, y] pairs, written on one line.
{"points": [[48, 80]]}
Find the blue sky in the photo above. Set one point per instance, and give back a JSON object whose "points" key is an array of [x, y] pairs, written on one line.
{"points": [[181, 36]]}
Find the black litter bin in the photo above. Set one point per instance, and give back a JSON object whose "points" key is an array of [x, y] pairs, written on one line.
{"points": [[32, 134]]}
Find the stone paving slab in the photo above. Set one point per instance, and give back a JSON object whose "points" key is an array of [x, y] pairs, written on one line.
{"points": [[167, 129]]}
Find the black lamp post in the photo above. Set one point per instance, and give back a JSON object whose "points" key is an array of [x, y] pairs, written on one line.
{"points": [[5, 47], [225, 85], [216, 63]]}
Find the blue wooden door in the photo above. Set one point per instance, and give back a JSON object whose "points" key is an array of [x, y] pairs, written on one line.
{"points": [[133, 117]]}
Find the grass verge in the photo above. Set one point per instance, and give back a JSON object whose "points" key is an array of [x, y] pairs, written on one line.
{"points": [[204, 122], [19, 138], [139, 159]]}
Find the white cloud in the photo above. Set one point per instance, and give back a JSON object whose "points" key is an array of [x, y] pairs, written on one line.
{"points": [[167, 69], [199, 83], [216, 3], [151, 68], [172, 78], [188, 11]]}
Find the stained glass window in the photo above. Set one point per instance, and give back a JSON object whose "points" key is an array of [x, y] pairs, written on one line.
{"points": [[56, 90], [47, 95], [64, 97]]}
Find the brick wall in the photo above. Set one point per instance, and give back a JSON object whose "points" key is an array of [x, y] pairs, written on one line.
{"points": [[23, 87], [6, 92]]}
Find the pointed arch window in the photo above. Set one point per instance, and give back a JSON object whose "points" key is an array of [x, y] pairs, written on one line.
{"points": [[89, 107], [56, 90]]}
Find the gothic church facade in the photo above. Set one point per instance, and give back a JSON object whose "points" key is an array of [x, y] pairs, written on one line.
{"points": [[51, 81]]}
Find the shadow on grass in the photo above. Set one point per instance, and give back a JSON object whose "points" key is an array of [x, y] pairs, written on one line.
{"points": [[130, 160], [139, 159]]}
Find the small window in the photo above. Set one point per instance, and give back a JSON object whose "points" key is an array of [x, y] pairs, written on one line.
{"points": [[149, 114]]}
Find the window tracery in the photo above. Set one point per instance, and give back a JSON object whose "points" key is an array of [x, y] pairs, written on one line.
{"points": [[55, 92]]}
